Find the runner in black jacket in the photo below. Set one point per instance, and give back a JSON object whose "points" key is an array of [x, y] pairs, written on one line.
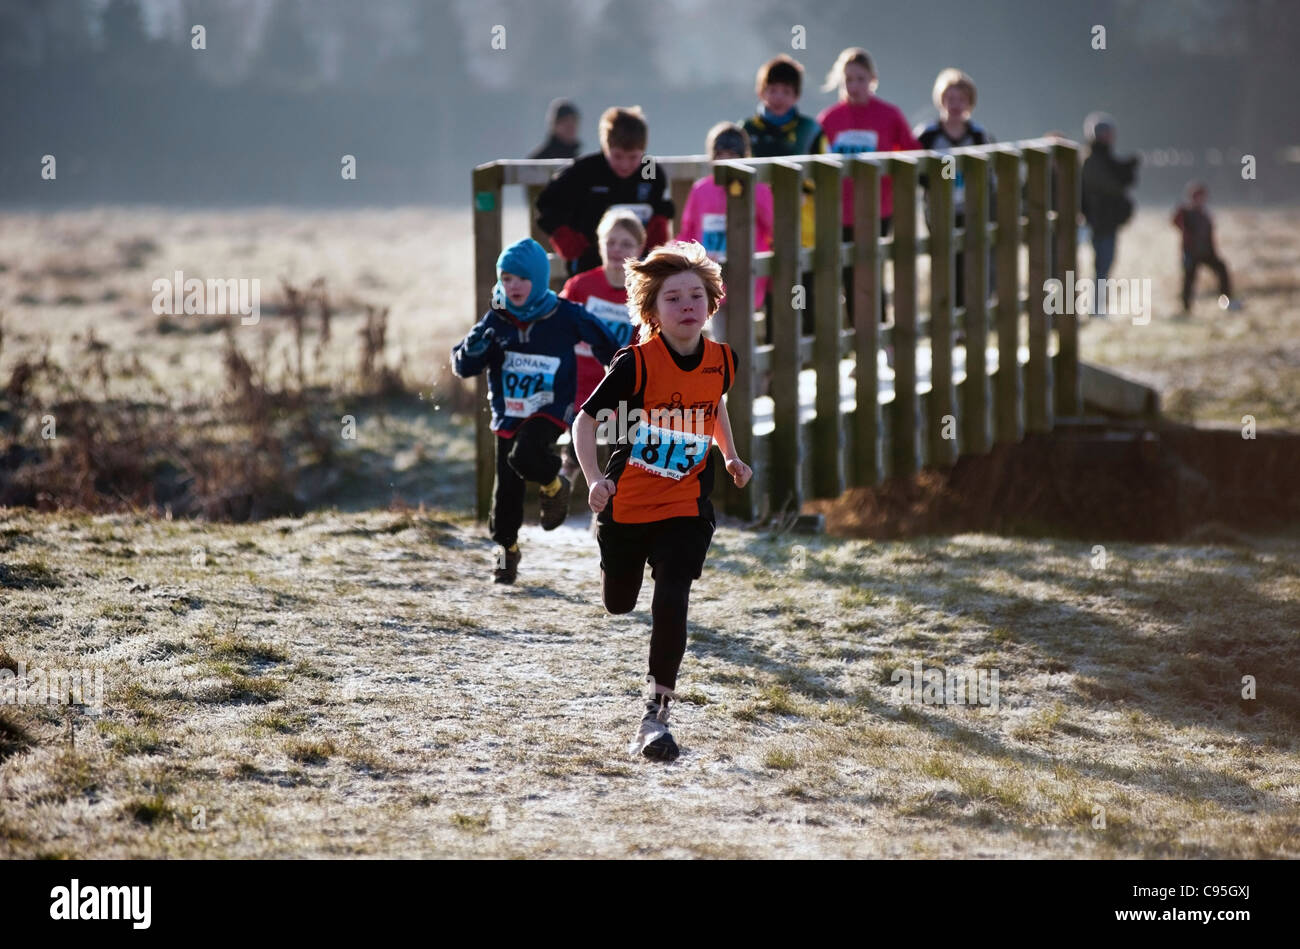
{"points": [[573, 203]]}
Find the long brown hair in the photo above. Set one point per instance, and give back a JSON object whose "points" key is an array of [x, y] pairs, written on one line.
{"points": [[645, 278]]}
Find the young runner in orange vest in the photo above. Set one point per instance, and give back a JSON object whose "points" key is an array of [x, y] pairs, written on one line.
{"points": [[661, 404]]}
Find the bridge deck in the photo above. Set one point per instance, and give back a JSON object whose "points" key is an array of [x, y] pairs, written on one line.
{"points": [[763, 405]]}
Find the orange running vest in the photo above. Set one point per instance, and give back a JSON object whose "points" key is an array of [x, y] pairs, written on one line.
{"points": [[669, 450]]}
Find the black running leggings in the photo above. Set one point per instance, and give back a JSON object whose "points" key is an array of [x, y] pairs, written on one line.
{"points": [[668, 610], [528, 456]]}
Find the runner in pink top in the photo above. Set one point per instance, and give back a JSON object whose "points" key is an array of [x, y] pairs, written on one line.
{"points": [[704, 218], [860, 122]]}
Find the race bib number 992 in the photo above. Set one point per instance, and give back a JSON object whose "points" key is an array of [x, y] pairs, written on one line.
{"points": [[528, 380]]}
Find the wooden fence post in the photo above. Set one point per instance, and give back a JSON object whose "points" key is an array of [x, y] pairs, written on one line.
{"points": [[785, 472], [905, 431], [866, 468], [1069, 394], [680, 189], [942, 451], [975, 394], [1006, 166], [1038, 373], [739, 181], [487, 248], [828, 480]]}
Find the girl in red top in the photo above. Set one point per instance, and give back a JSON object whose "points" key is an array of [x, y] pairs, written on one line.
{"points": [[600, 291], [860, 122], [662, 404]]}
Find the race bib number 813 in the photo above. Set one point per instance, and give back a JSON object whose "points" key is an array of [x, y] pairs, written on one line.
{"points": [[666, 452]]}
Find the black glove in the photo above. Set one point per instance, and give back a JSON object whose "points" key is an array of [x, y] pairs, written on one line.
{"points": [[480, 339]]}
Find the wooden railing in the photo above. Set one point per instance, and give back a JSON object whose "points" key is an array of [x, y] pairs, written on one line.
{"points": [[1036, 203]]}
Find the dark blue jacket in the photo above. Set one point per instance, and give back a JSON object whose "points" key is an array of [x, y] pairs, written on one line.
{"points": [[532, 369]]}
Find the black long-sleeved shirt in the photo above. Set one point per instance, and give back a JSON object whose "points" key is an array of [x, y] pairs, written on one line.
{"points": [[579, 195]]}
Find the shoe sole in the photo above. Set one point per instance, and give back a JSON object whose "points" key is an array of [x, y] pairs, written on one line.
{"points": [[662, 748], [568, 496]]}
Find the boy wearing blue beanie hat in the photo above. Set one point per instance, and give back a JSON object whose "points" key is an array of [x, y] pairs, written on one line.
{"points": [[525, 342]]}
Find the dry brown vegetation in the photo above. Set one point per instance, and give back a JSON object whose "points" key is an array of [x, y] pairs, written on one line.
{"points": [[113, 408]]}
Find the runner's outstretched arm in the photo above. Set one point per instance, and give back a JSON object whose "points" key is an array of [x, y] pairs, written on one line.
{"points": [[739, 471], [599, 488]]}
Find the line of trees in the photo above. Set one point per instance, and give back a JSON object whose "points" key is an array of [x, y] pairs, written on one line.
{"points": [[413, 89]]}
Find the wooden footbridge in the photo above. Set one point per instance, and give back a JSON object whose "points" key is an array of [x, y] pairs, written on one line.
{"points": [[834, 414]]}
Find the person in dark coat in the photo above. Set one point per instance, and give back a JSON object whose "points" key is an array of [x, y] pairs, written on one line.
{"points": [[1106, 206], [562, 129]]}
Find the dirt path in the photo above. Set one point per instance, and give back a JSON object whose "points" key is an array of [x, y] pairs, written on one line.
{"points": [[352, 684]]}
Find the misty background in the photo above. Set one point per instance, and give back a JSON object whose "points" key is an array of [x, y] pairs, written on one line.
{"points": [[414, 89]]}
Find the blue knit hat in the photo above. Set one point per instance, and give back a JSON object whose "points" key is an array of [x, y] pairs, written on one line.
{"points": [[526, 259]]}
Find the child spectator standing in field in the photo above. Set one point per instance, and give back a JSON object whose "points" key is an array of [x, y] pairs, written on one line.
{"points": [[954, 97], [571, 206], [704, 219], [601, 291], [561, 130], [525, 342], [1197, 227], [780, 130], [860, 122], [652, 502]]}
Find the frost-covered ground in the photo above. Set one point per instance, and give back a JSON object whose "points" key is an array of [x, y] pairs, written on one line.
{"points": [[354, 684]]}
